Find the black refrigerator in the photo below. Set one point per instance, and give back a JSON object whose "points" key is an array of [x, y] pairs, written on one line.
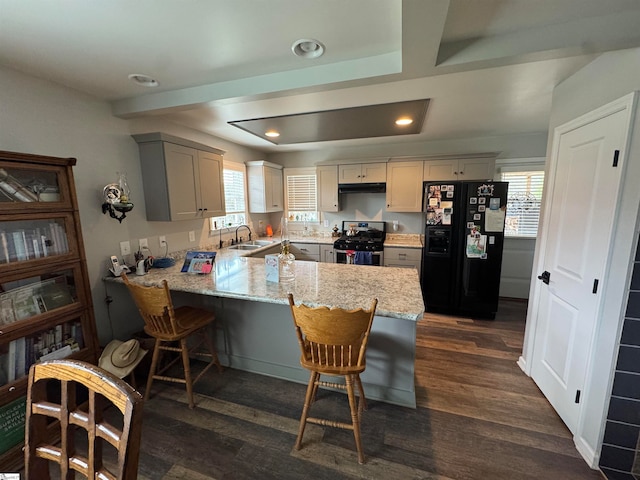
{"points": [[462, 255]]}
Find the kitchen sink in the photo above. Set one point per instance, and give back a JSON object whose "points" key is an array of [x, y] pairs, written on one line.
{"points": [[260, 243], [244, 246]]}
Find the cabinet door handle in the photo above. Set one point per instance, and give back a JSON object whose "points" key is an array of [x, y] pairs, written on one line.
{"points": [[461, 173], [402, 254]]}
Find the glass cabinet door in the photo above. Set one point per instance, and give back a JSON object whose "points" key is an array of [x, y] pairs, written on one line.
{"points": [[58, 341], [24, 298], [34, 238], [29, 185]]}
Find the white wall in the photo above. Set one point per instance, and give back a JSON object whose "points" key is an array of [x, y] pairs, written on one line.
{"points": [[609, 77], [39, 117]]}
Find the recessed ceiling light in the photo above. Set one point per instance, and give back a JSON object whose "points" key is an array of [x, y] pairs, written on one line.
{"points": [[272, 133], [404, 121], [307, 48], [143, 80]]}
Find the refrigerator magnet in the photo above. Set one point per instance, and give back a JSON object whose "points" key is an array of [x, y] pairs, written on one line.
{"points": [[449, 194], [471, 225], [476, 246], [482, 200], [473, 200], [477, 216], [481, 208]]}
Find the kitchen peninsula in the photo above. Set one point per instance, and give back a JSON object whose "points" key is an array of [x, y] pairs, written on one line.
{"points": [[254, 325]]}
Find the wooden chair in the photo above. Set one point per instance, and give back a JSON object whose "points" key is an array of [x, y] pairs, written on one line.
{"points": [[333, 342], [170, 326], [103, 389]]}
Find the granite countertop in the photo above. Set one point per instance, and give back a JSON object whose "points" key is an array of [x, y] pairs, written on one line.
{"points": [[236, 275]]}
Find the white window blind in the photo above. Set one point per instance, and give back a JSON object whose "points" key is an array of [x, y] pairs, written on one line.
{"points": [[302, 196], [523, 202], [234, 196], [234, 191]]}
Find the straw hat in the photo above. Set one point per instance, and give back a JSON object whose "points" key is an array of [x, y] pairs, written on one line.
{"points": [[120, 358]]}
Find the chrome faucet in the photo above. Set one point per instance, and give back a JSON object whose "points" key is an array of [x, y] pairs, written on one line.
{"points": [[245, 226]]}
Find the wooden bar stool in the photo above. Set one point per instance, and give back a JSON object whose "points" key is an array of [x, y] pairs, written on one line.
{"points": [[333, 342], [103, 389], [171, 326]]}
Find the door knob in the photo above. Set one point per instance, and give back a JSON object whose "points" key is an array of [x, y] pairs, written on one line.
{"points": [[545, 277]]}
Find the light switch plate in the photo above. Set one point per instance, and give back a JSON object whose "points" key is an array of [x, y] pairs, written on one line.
{"points": [[192, 236], [162, 240], [143, 243], [125, 248]]}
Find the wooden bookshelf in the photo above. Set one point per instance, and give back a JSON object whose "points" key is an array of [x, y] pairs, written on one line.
{"points": [[45, 299]]}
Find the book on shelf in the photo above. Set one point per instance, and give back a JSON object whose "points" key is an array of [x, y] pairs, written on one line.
{"points": [[11, 363], [12, 418], [21, 356], [6, 258], [56, 294], [21, 248]]}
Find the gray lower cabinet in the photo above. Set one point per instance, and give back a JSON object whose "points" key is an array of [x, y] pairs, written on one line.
{"points": [[403, 257], [327, 255], [182, 180], [305, 251]]}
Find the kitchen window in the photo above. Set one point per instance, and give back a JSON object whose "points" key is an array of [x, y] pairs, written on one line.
{"points": [[235, 197], [523, 202], [301, 196]]}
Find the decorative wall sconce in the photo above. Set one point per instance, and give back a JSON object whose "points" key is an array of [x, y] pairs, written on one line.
{"points": [[116, 198]]}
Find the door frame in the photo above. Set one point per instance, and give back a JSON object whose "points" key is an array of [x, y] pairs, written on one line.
{"points": [[608, 327]]}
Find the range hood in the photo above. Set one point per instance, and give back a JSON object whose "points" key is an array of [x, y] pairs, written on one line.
{"points": [[362, 187]]}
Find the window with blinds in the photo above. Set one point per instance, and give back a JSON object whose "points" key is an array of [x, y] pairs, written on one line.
{"points": [[523, 203], [234, 197], [301, 195]]}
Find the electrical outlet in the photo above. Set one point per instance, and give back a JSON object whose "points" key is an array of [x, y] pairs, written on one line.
{"points": [[162, 240], [192, 236], [143, 243], [125, 248]]}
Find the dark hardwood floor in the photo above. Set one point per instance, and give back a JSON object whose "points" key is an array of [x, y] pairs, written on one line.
{"points": [[478, 417]]}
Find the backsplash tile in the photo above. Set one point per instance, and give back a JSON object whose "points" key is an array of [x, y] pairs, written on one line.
{"points": [[621, 434], [626, 385], [633, 307], [618, 458], [631, 332], [624, 410], [628, 359]]}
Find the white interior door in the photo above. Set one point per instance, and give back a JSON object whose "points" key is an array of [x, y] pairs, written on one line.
{"points": [[581, 215]]}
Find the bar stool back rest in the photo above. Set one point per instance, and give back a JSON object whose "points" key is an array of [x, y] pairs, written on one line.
{"points": [[156, 308], [102, 387], [170, 326], [333, 341]]}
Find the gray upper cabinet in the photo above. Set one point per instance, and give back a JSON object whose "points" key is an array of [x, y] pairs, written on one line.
{"points": [[404, 186], [468, 168], [328, 188], [266, 188], [362, 173], [182, 180]]}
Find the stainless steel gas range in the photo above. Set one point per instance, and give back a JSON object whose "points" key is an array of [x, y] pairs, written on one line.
{"points": [[361, 243]]}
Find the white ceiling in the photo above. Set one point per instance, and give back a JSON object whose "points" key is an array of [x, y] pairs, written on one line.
{"points": [[488, 66]]}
